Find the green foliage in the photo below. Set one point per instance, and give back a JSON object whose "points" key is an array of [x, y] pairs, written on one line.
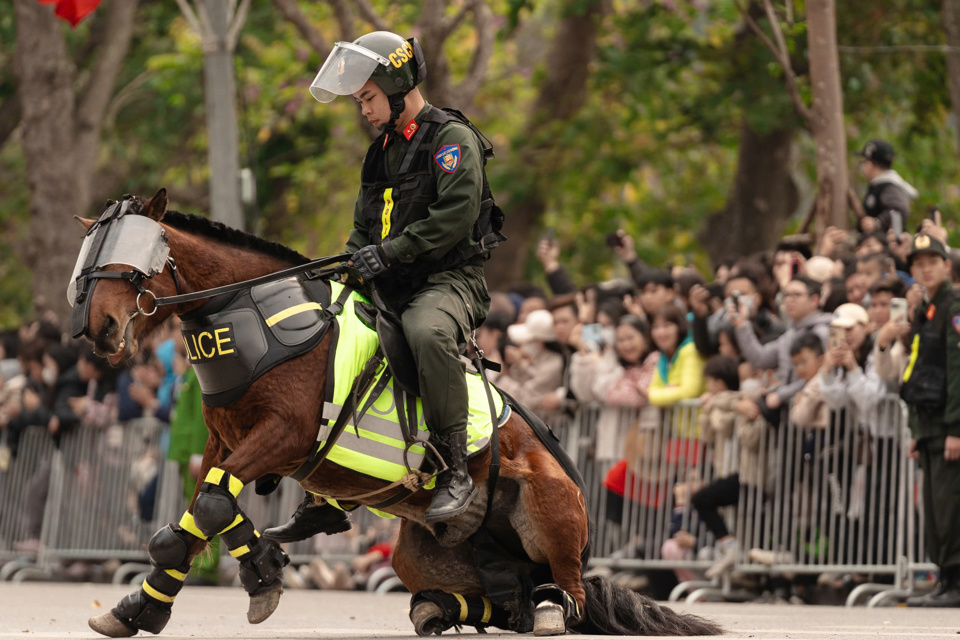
{"points": [[15, 279], [653, 150]]}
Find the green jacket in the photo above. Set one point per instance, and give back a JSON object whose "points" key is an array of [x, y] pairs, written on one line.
{"points": [[451, 216], [188, 431], [926, 425]]}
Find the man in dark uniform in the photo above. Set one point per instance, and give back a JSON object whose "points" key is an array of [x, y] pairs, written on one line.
{"points": [[932, 389], [886, 204], [422, 228]]}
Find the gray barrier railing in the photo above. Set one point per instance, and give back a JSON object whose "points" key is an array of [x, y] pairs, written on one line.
{"points": [[103, 493], [834, 500]]}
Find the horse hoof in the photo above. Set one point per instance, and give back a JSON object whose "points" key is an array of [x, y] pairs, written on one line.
{"points": [[548, 620], [108, 625], [264, 603], [427, 618]]}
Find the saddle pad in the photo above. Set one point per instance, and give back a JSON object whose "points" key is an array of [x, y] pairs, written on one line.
{"points": [[375, 447]]}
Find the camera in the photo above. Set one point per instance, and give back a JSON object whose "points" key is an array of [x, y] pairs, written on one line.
{"points": [[736, 300]]}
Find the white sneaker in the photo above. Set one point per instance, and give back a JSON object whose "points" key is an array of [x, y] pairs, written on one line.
{"points": [[770, 558], [726, 558]]}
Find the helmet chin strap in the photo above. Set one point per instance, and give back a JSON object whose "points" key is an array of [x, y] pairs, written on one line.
{"points": [[397, 105]]}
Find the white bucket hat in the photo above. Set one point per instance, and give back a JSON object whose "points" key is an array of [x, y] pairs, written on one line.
{"points": [[538, 325]]}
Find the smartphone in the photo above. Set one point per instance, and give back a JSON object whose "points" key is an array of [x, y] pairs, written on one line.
{"points": [[898, 310], [614, 240], [592, 333], [549, 235], [794, 267], [838, 336], [730, 305]]}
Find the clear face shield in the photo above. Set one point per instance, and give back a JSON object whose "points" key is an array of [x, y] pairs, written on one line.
{"points": [[132, 240], [345, 71]]}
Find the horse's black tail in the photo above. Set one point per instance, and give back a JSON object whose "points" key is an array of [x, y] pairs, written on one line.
{"points": [[617, 611]]}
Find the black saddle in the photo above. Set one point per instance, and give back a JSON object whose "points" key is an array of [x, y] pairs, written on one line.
{"points": [[393, 343], [398, 354]]}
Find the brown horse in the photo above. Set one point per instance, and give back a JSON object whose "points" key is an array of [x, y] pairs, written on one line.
{"points": [[538, 512]]}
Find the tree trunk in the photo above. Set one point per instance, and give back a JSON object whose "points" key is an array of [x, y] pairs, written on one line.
{"points": [[951, 26], [60, 138], [560, 96], [763, 197], [827, 117], [219, 97]]}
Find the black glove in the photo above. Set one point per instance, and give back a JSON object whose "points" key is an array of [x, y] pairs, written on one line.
{"points": [[370, 261]]}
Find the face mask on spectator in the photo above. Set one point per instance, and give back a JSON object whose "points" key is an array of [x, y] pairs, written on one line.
{"points": [[49, 376], [531, 348]]}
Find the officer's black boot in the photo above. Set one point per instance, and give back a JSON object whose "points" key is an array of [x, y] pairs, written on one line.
{"points": [[942, 586], [949, 596], [455, 490], [308, 520]]}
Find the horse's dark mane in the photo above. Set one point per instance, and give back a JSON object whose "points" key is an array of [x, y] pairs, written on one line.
{"points": [[198, 225]]}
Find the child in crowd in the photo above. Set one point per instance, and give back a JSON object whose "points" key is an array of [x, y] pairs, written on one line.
{"points": [[725, 415], [809, 410]]}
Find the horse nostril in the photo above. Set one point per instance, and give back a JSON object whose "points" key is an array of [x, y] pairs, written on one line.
{"points": [[109, 325]]}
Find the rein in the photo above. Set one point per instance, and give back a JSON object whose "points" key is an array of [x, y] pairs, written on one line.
{"points": [[247, 284]]}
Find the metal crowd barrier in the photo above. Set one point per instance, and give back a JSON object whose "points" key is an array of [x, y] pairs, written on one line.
{"points": [[666, 462], [102, 494], [837, 500], [27, 475]]}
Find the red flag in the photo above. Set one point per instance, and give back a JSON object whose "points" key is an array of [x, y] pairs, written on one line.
{"points": [[73, 11]]}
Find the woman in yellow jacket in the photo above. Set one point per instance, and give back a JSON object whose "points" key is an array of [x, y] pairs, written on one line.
{"points": [[679, 374]]}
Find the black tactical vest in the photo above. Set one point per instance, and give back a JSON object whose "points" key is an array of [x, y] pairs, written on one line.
{"points": [[926, 388], [406, 199], [886, 217], [871, 201]]}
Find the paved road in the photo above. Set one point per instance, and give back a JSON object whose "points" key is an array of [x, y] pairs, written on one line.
{"points": [[41, 610]]}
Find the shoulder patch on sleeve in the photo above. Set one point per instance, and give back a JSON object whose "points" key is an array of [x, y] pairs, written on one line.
{"points": [[448, 157], [955, 322]]}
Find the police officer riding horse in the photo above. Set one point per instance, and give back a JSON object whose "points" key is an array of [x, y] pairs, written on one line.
{"points": [[423, 224], [276, 343]]}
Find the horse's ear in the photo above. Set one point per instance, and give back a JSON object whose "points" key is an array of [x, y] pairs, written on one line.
{"points": [[156, 206], [86, 223]]}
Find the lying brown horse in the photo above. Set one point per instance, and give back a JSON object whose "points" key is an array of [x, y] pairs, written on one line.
{"points": [[538, 516]]}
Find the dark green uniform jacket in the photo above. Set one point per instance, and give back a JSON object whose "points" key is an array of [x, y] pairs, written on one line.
{"points": [[932, 379], [429, 211]]}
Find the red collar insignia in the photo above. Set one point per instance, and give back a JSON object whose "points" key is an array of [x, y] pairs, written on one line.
{"points": [[410, 129], [931, 311], [386, 139]]}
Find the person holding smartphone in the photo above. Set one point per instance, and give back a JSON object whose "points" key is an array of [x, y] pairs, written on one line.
{"points": [[931, 388]]}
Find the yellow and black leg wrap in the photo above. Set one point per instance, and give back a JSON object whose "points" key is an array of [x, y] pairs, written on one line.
{"points": [[148, 608], [216, 512], [553, 593], [460, 610]]}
